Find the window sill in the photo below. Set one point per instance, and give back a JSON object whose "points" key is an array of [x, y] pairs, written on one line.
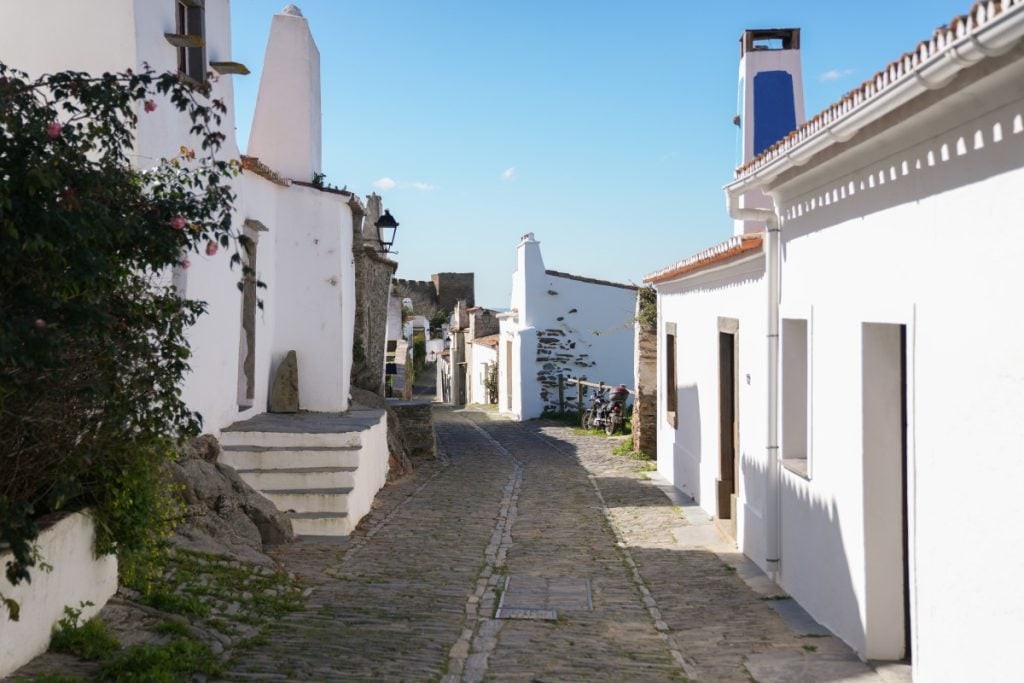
{"points": [[193, 82], [797, 466]]}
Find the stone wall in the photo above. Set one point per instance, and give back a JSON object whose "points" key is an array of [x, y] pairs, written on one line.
{"points": [[422, 293], [451, 287], [482, 322], [373, 273], [417, 425], [373, 290], [645, 402], [558, 355], [440, 293]]}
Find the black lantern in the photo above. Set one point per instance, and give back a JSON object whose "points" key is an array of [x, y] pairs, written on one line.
{"points": [[387, 226], [447, 341]]}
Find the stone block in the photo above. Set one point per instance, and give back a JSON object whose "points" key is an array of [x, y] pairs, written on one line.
{"points": [[284, 392]]}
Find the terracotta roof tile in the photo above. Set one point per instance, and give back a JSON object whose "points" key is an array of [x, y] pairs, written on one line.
{"points": [[490, 340], [725, 251], [261, 169]]}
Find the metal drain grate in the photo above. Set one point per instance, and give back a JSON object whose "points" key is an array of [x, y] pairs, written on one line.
{"points": [[538, 597]]}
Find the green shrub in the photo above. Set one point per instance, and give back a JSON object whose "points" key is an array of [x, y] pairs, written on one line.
{"points": [[189, 605], [177, 661], [647, 313], [92, 334], [91, 640]]}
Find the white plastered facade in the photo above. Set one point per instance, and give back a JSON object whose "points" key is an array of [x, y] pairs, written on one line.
{"points": [[900, 256], [596, 319], [305, 254]]}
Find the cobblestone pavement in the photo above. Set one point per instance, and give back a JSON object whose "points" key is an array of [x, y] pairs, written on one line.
{"points": [[546, 524]]}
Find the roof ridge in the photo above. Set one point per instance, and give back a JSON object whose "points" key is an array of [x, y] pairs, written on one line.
{"points": [[591, 280]]}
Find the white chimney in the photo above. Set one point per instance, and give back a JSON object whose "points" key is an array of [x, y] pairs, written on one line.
{"points": [[286, 126], [771, 93]]}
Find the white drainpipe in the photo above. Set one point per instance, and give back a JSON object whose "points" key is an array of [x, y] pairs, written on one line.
{"points": [[773, 273]]}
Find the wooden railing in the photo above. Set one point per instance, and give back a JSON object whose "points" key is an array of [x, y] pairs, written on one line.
{"points": [[581, 392]]}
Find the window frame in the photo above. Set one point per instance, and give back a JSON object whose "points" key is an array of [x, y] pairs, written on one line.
{"points": [[792, 369], [671, 376], [190, 19]]}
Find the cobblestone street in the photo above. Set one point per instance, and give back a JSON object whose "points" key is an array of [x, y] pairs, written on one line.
{"points": [[577, 547]]}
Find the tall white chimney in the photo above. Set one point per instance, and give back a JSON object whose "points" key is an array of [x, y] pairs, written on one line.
{"points": [[771, 92], [286, 126]]}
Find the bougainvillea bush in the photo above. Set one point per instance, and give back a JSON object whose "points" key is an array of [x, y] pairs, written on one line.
{"points": [[92, 332]]}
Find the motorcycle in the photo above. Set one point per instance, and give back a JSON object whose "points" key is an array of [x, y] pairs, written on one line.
{"points": [[605, 413]]}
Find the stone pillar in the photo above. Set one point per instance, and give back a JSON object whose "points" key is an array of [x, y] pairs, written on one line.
{"points": [[371, 234], [645, 374]]}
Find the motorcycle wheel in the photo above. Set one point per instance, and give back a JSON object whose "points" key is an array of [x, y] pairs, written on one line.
{"points": [[585, 419], [612, 425]]}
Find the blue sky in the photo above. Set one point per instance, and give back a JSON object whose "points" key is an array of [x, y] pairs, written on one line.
{"points": [[602, 127]]}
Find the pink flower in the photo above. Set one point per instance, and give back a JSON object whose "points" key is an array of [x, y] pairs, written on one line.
{"points": [[149, 106], [211, 248], [178, 223], [186, 264], [40, 323], [53, 130]]}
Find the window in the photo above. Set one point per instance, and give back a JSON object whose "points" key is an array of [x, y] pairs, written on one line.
{"points": [[190, 22], [671, 390], [796, 387]]}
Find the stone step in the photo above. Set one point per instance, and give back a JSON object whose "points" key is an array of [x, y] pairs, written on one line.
{"points": [[321, 523], [253, 439], [312, 501], [264, 458], [299, 478], [302, 429]]}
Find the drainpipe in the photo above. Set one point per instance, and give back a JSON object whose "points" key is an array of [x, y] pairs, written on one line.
{"points": [[773, 261]]}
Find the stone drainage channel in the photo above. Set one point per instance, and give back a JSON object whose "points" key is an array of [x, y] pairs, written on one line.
{"points": [[467, 659]]}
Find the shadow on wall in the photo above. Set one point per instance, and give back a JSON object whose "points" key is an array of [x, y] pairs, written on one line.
{"points": [[989, 146], [815, 562], [687, 451]]}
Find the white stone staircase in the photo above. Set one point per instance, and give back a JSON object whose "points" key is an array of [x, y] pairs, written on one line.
{"points": [[322, 469]]}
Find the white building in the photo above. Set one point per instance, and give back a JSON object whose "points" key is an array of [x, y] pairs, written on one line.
{"points": [[560, 325], [302, 234], [483, 361], [867, 336]]}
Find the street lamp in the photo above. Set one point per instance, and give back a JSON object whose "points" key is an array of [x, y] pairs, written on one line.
{"points": [[387, 223]]}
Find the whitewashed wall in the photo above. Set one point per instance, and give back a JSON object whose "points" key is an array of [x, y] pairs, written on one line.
{"points": [[509, 393], [315, 294], [688, 454], [212, 386], [78, 576], [480, 356], [46, 36], [929, 238], [597, 318]]}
